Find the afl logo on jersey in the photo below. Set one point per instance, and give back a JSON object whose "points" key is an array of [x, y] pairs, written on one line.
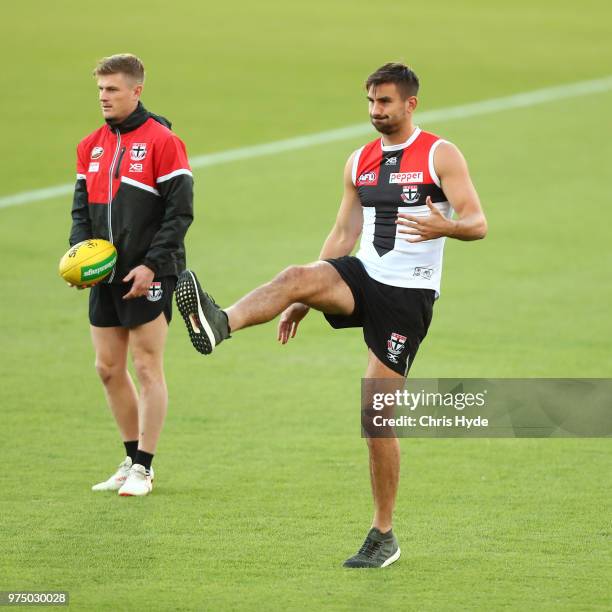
{"points": [[410, 194], [367, 178], [97, 152]]}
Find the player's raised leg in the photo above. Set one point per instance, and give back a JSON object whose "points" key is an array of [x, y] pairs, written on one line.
{"points": [[147, 344], [111, 347], [380, 548], [317, 285]]}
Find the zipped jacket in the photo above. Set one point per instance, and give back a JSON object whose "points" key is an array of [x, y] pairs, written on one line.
{"points": [[134, 188]]}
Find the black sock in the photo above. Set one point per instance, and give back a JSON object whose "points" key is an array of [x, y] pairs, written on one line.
{"points": [[143, 458], [130, 449], [229, 329]]}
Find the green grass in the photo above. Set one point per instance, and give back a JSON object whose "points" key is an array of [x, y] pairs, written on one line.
{"points": [[262, 485]]}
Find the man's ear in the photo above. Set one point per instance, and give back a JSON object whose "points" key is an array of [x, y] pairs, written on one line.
{"points": [[411, 103]]}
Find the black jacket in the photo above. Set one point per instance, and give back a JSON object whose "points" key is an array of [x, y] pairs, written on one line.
{"points": [[134, 188]]}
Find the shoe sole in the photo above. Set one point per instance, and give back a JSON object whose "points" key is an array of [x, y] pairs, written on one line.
{"points": [[190, 307], [393, 558], [134, 495]]}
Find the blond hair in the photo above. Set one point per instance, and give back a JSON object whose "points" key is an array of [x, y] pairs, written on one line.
{"points": [[125, 63]]}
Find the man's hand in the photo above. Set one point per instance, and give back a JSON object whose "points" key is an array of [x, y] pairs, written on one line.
{"points": [[81, 287], [435, 225], [289, 321], [142, 278]]}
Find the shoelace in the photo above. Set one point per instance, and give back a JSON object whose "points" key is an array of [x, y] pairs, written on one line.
{"points": [[369, 548], [212, 299]]}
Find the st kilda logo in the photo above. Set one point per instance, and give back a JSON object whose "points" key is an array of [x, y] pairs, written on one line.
{"points": [[155, 292], [395, 345], [410, 194], [138, 151], [97, 152]]}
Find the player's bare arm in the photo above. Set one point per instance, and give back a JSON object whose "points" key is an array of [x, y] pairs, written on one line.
{"points": [[340, 241], [386, 289], [349, 221], [471, 224]]}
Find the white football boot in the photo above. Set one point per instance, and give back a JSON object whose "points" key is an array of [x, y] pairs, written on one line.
{"points": [[115, 482], [138, 482]]}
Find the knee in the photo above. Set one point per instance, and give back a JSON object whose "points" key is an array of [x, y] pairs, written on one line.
{"points": [[148, 371], [108, 371], [294, 279]]}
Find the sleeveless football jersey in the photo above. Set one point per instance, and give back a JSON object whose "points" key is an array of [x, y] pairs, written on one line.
{"points": [[392, 179]]}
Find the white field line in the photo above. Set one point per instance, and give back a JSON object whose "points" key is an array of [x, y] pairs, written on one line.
{"points": [[484, 107]]}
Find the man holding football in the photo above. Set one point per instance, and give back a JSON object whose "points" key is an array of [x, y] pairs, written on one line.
{"points": [[134, 188], [399, 194]]}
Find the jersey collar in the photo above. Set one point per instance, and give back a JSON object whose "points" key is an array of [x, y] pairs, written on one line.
{"points": [[136, 119], [402, 145]]}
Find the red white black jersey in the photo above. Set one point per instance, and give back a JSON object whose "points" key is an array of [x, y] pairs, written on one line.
{"points": [[393, 179]]}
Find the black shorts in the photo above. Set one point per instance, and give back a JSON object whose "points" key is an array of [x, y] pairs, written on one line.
{"points": [[107, 308], [395, 320]]}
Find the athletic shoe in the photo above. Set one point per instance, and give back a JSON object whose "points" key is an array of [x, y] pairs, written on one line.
{"points": [[206, 322], [378, 550], [139, 481], [116, 481]]}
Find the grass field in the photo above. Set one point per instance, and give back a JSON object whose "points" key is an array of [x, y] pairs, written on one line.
{"points": [[262, 486]]}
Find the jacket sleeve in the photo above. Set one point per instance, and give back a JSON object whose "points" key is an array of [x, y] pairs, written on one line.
{"points": [[81, 223], [175, 185]]}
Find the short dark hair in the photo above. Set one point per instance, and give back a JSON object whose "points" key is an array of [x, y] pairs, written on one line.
{"points": [[125, 63], [405, 79]]}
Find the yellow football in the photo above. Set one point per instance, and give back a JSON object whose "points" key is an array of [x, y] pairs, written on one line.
{"points": [[88, 262]]}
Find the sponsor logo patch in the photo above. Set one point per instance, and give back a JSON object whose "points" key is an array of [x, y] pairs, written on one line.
{"points": [[402, 178], [138, 151], [425, 273], [395, 345], [97, 152], [135, 167], [391, 161], [367, 178], [94, 166], [99, 270], [155, 292], [410, 194]]}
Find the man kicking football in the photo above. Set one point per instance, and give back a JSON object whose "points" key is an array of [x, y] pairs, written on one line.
{"points": [[399, 194]]}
